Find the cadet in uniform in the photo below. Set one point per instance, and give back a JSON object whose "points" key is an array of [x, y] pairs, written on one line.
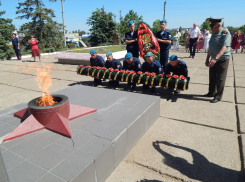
{"points": [[131, 40], [115, 64], [96, 60], [219, 51], [16, 46], [164, 39], [177, 67], [132, 64], [151, 66]]}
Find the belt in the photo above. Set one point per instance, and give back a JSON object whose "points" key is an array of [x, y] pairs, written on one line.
{"points": [[194, 38]]}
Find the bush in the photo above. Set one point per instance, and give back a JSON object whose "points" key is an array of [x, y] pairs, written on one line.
{"points": [[71, 45]]}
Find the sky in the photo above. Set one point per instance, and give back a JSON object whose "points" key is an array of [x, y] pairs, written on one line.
{"points": [[178, 12]]}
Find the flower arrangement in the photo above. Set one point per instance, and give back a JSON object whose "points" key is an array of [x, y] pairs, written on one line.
{"points": [[147, 78]]}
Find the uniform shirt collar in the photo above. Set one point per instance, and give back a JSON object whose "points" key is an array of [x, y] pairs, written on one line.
{"points": [[152, 64]]}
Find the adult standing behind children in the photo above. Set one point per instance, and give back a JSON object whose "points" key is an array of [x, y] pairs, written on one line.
{"points": [[16, 46], [34, 48], [194, 38]]}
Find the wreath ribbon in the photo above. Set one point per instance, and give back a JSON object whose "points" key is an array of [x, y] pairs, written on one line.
{"points": [[98, 74], [82, 70], [160, 82], [139, 79], [93, 73], [152, 80], [104, 74], [115, 77], [168, 81], [127, 77], [88, 71], [146, 81], [122, 77]]}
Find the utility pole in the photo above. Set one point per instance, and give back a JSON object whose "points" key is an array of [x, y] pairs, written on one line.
{"points": [[114, 15], [63, 21], [164, 9], [120, 14]]}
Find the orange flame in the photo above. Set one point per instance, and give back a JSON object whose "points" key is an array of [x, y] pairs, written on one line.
{"points": [[44, 80]]}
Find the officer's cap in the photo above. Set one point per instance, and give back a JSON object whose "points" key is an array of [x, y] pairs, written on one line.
{"points": [[173, 57], [163, 21], [148, 54], [214, 21], [128, 55], [93, 51], [130, 22], [109, 53]]}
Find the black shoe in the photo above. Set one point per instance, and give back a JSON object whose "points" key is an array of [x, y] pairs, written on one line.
{"points": [[208, 95], [214, 100], [145, 87], [177, 91], [192, 57], [189, 56], [152, 89], [116, 85], [133, 87]]}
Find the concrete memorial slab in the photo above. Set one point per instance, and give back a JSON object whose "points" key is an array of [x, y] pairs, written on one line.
{"points": [[240, 94], [188, 152], [240, 82], [241, 114], [99, 140]]}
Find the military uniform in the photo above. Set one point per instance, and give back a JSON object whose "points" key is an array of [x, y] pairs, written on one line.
{"points": [[164, 48], [98, 61], [133, 47], [217, 73], [134, 66], [115, 64], [15, 42], [180, 69]]}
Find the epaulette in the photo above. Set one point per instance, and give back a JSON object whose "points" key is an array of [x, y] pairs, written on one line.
{"points": [[224, 31]]}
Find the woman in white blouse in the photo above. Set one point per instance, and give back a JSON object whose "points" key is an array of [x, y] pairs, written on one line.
{"points": [[206, 40]]}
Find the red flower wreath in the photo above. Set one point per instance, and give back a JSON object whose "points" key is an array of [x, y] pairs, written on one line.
{"points": [[111, 69], [128, 72], [122, 71], [182, 77], [88, 66], [147, 73], [103, 68], [175, 76], [139, 72], [168, 75], [116, 70], [153, 74], [161, 75], [81, 66]]}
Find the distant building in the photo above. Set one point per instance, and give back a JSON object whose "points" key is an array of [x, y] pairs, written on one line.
{"points": [[72, 37]]}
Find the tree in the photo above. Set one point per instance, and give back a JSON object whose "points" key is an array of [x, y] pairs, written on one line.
{"points": [[102, 27], [123, 26], [205, 25], [242, 28], [156, 26], [180, 29], [6, 29], [231, 29], [48, 32], [81, 32]]}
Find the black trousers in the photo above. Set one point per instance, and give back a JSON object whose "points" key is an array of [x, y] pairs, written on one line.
{"points": [[97, 81], [217, 77], [192, 46]]}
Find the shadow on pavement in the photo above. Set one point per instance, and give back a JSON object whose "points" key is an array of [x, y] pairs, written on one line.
{"points": [[146, 180], [201, 169]]}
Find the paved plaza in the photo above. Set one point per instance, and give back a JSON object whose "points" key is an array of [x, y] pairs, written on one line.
{"points": [[192, 140]]}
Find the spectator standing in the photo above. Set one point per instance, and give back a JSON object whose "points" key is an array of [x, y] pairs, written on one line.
{"points": [[179, 35], [175, 40], [186, 38], [34, 48], [243, 42], [194, 35], [16, 46], [206, 41], [236, 39], [131, 40], [200, 42]]}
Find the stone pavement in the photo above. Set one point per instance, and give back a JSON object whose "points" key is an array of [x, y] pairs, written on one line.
{"points": [[192, 140]]}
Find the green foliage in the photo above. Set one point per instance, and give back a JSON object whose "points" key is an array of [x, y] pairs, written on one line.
{"points": [[102, 27], [71, 45], [231, 29], [205, 25], [242, 28], [46, 31], [79, 32], [6, 29], [123, 26], [156, 26]]}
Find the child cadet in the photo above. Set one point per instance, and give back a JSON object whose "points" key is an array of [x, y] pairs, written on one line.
{"points": [[132, 64], [115, 64], [151, 66], [177, 67], [96, 60]]}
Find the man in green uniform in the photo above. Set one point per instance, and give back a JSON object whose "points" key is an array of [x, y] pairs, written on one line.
{"points": [[219, 51]]}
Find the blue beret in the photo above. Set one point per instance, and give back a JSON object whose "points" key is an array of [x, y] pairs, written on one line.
{"points": [[128, 55], [173, 57], [163, 21], [93, 51], [109, 53], [130, 22], [149, 54]]}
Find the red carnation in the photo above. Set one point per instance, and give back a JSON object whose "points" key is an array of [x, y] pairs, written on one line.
{"points": [[154, 51], [110, 69], [88, 66], [116, 70], [122, 71], [147, 73], [139, 72], [168, 75], [161, 75], [98, 67], [94, 67], [149, 50], [153, 74], [133, 72], [103, 68], [81, 66], [182, 77], [175, 76], [147, 41], [128, 71]]}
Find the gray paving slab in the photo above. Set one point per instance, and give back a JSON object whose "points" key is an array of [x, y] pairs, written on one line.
{"points": [[240, 94], [188, 152], [15, 78], [8, 90], [240, 82], [50, 178], [241, 114], [201, 111], [203, 71], [3, 173], [240, 74], [243, 147], [129, 172], [238, 67]]}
